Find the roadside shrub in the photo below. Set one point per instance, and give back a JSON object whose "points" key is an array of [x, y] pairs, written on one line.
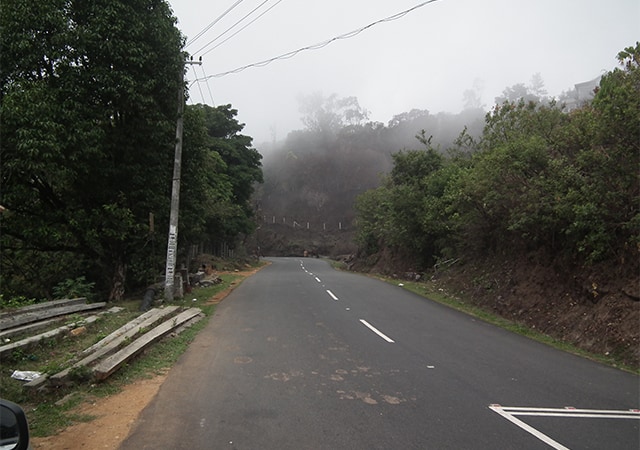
{"points": [[75, 288], [15, 302]]}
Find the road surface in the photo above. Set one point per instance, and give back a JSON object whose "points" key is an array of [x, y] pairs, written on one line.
{"points": [[301, 356]]}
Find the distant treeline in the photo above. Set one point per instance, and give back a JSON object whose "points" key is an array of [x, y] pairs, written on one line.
{"points": [[318, 172]]}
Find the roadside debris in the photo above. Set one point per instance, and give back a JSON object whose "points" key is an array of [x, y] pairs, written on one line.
{"points": [[26, 375]]}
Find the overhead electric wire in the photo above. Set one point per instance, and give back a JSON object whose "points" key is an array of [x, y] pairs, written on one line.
{"points": [[233, 26], [323, 44], [200, 89], [260, 15], [213, 102], [208, 27]]}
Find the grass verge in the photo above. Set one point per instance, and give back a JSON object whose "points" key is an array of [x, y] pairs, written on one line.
{"points": [[465, 305], [437, 294], [53, 410]]}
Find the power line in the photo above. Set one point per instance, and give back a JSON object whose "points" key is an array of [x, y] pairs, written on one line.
{"points": [[208, 27], [322, 44], [234, 25], [247, 25], [213, 102], [200, 87]]}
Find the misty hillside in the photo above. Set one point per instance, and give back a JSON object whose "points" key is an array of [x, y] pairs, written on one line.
{"points": [[312, 178], [315, 175]]}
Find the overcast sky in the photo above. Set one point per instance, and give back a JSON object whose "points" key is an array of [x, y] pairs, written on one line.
{"points": [[423, 60]]}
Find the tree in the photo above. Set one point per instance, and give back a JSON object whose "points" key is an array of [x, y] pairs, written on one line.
{"points": [[536, 87], [534, 92], [472, 98], [405, 214], [326, 115], [609, 168], [89, 92], [563, 183], [408, 117], [221, 171], [410, 167]]}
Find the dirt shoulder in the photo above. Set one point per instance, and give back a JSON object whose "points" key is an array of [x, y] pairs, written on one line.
{"points": [[596, 310], [114, 417], [116, 414]]}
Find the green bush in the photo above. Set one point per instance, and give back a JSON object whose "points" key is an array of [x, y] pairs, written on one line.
{"points": [[75, 288]]}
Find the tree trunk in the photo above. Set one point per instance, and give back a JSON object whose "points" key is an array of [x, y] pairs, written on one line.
{"points": [[118, 281]]}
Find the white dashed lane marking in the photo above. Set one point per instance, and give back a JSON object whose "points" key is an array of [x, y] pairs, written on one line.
{"points": [[376, 331]]}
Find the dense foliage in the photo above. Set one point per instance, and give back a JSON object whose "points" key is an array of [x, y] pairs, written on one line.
{"points": [[538, 179], [222, 170], [89, 101]]}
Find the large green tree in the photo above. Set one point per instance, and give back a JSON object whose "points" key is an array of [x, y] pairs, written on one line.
{"points": [[89, 102], [221, 169], [408, 212]]}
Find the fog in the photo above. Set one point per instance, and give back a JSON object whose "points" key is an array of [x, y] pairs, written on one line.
{"points": [[424, 60]]}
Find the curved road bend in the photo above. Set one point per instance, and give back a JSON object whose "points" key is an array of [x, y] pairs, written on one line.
{"points": [[301, 356]]}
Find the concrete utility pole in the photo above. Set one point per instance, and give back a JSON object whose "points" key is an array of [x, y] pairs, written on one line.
{"points": [[172, 242]]}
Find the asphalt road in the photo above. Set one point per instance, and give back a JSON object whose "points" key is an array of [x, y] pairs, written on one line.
{"points": [[301, 356]]}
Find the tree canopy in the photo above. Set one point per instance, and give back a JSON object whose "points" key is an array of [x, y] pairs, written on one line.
{"points": [[89, 94], [223, 169], [538, 179]]}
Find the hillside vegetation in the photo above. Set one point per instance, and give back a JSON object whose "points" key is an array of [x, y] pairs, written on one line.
{"points": [[316, 174], [537, 180]]}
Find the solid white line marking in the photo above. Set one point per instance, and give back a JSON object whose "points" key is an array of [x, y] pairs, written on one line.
{"points": [[509, 413], [594, 415], [331, 294], [379, 333], [529, 429], [570, 412]]}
